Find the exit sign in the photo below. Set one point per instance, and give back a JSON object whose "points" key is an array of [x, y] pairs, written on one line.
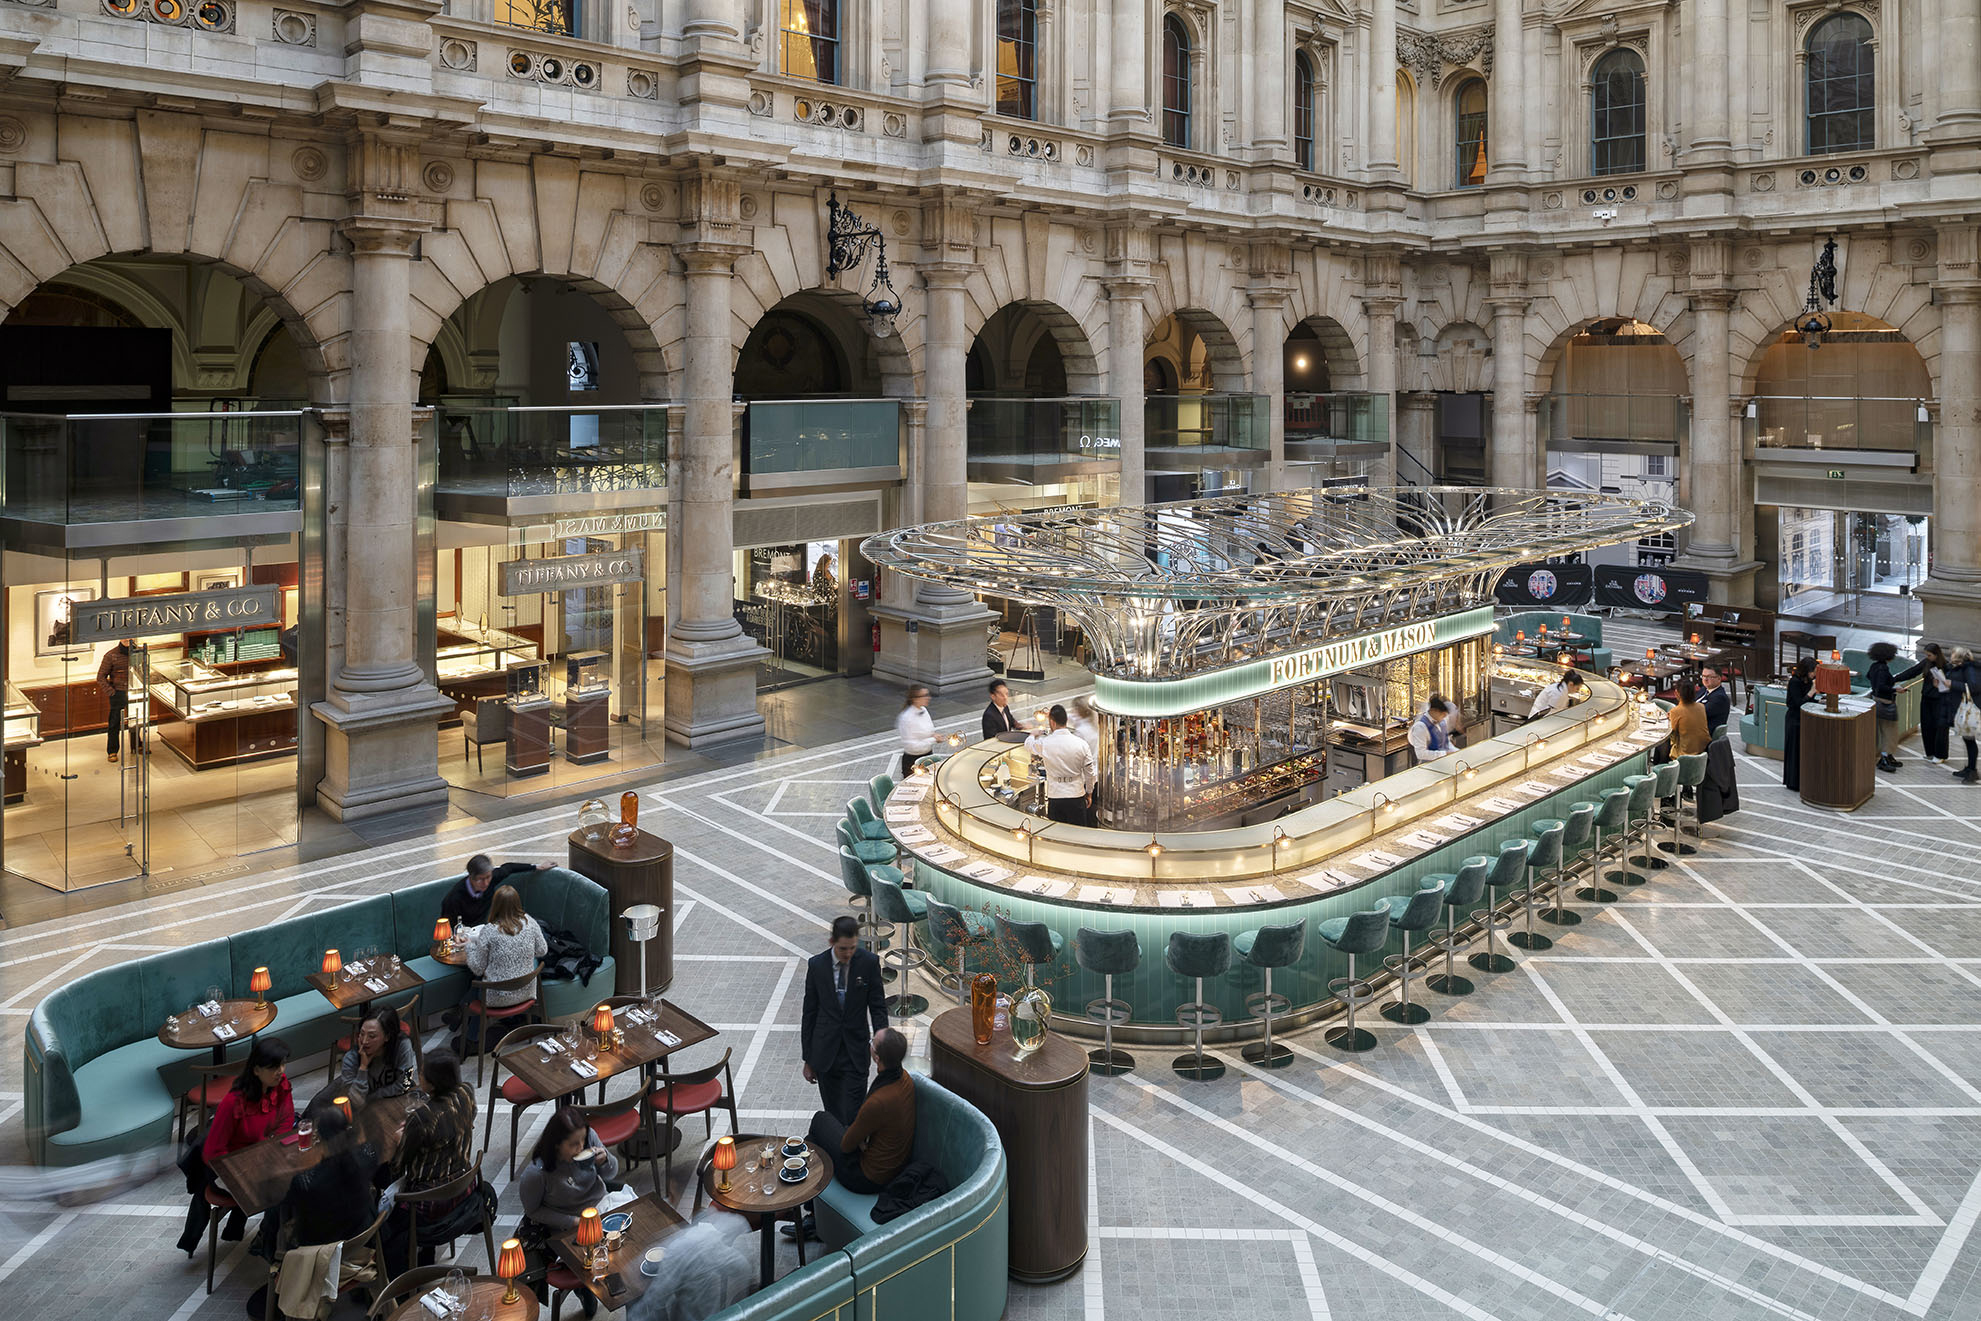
{"points": [[1836, 474]]}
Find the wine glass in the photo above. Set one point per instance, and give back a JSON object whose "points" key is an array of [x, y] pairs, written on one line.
{"points": [[459, 1291], [212, 996]]}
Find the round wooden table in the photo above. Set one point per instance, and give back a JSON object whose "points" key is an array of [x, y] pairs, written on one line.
{"points": [[249, 1018], [453, 954], [746, 1195], [487, 1293]]}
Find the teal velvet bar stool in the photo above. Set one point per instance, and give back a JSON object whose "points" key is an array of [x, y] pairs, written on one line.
{"points": [[899, 957], [1365, 932], [1612, 818], [1509, 869], [1691, 774], [861, 820], [878, 789], [1638, 812], [1029, 943], [961, 931], [1543, 854], [857, 877], [1267, 948], [1410, 913], [866, 850], [1462, 889], [1576, 829], [1107, 955], [1197, 957], [1664, 790]]}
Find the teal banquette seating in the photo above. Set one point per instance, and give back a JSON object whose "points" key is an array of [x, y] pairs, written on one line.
{"points": [[1530, 621], [1764, 731], [97, 1081], [947, 1260]]}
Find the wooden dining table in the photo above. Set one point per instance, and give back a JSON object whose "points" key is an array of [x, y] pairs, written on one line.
{"points": [[377, 979], [487, 1294], [747, 1195], [640, 1044], [257, 1176], [244, 1018], [654, 1221]]}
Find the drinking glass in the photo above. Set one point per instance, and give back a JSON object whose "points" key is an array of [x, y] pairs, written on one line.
{"points": [[458, 1289], [768, 1156], [305, 1134], [212, 995]]}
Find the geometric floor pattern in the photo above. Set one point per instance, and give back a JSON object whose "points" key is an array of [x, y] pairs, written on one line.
{"points": [[1751, 1089]]}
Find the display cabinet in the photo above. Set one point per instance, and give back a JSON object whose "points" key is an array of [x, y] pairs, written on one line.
{"points": [[23, 731], [215, 719], [529, 718], [587, 708], [472, 660]]}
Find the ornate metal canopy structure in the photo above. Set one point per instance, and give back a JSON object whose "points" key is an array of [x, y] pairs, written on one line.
{"points": [[1171, 590]]}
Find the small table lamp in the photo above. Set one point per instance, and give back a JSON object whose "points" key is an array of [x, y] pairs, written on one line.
{"points": [[1565, 626], [602, 1023], [1832, 680], [724, 1160], [342, 1103], [590, 1234], [509, 1266], [443, 931], [333, 963], [259, 984]]}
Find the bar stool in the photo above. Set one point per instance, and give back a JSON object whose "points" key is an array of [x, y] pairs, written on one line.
{"points": [[903, 908], [1029, 943], [1268, 948], [878, 789], [1638, 811], [857, 877], [1197, 957], [959, 930], [1107, 954], [866, 850], [1543, 852], [1691, 774], [1410, 913], [1577, 828], [864, 824], [1509, 869], [1358, 933], [1462, 889], [1664, 790], [1612, 818]]}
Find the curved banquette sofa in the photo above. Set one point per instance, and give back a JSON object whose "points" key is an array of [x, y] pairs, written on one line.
{"points": [[97, 1081], [947, 1260], [1530, 621]]}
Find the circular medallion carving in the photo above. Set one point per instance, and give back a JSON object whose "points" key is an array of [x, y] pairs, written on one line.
{"points": [[901, 223], [1545, 269], [13, 133], [746, 207], [438, 176], [1755, 257], [651, 197], [309, 164], [1087, 241], [1917, 249], [1551, 201], [457, 54]]}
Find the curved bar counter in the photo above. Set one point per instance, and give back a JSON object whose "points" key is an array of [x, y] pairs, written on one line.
{"points": [[1336, 857]]}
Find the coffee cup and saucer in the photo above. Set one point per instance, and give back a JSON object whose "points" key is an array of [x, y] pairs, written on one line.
{"points": [[795, 1170]]}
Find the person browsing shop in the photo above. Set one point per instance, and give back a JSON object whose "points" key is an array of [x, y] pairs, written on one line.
{"points": [[915, 727], [1428, 736], [999, 718], [1557, 695], [1070, 770], [466, 905], [113, 676]]}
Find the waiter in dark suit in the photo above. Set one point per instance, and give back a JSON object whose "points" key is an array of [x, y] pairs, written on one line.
{"points": [[998, 716], [845, 1005]]}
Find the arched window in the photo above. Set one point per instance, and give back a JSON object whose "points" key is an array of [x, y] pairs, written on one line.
{"points": [[1406, 127], [809, 34], [1303, 111], [1470, 106], [1018, 58], [1175, 82], [1841, 86], [1616, 114]]}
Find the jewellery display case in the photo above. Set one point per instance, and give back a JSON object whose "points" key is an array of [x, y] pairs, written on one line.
{"points": [[23, 731], [472, 661], [212, 719], [529, 718], [587, 708]]}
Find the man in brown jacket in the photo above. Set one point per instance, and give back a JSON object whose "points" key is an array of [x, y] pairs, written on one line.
{"points": [[114, 677], [871, 1150]]}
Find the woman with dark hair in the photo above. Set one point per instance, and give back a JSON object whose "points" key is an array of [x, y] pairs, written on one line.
{"points": [[1801, 682], [1884, 696], [438, 1147], [381, 1061], [569, 1170], [257, 1105], [1937, 702], [1689, 735]]}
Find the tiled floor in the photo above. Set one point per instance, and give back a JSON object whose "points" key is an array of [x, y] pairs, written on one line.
{"points": [[1750, 1089]]}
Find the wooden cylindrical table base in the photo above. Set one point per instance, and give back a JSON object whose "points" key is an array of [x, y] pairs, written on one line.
{"points": [[1839, 755], [1039, 1104], [642, 874]]}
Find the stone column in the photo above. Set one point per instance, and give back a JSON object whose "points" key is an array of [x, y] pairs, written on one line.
{"points": [[1706, 96], [722, 19], [1381, 313], [1510, 453], [1269, 377], [938, 637], [1128, 99], [1380, 71], [381, 752], [949, 44], [1416, 427], [1715, 471], [1507, 91], [1951, 596], [1957, 72], [1127, 343], [1268, 72], [711, 662]]}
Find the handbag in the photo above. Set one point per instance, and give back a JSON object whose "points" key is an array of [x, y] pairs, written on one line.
{"points": [[1886, 710], [1967, 720]]}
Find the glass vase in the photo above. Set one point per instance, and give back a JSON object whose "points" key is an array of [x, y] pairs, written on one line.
{"points": [[983, 1006], [628, 830], [1031, 1011]]}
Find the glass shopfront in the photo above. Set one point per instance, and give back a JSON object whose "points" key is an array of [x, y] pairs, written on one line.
{"points": [[806, 604]]}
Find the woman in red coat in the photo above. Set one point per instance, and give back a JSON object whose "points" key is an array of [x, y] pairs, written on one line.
{"points": [[258, 1105]]}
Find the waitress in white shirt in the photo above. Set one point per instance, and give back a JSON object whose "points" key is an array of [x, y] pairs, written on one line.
{"points": [[915, 728], [1070, 770], [1428, 737], [1557, 695]]}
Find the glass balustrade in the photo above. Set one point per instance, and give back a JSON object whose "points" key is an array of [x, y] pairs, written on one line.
{"points": [[519, 451], [1644, 419], [122, 467], [1211, 429], [1841, 422], [1337, 420], [1027, 433], [790, 437]]}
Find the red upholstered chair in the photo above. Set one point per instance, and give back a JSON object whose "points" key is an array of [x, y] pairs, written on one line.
{"points": [[696, 1093], [478, 1008], [214, 1082], [615, 1122], [218, 1204], [563, 1283], [409, 1018], [512, 1089]]}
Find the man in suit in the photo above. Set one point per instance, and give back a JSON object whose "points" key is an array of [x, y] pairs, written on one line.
{"points": [[845, 1005], [998, 716], [1714, 698]]}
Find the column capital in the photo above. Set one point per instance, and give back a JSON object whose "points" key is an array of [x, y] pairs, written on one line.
{"points": [[381, 236], [1381, 304], [1712, 300], [1268, 296], [944, 275], [1131, 287], [1963, 294], [1508, 304], [710, 258]]}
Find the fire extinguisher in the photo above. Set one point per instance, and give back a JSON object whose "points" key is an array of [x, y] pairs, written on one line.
{"points": [[876, 627]]}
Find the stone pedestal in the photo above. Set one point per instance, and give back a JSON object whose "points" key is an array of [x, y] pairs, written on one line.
{"points": [[938, 643]]}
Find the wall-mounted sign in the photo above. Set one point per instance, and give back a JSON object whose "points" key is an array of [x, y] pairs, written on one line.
{"points": [[606, 525], [181, 612], [1836, 474], [529, 577], [1170, 697]]}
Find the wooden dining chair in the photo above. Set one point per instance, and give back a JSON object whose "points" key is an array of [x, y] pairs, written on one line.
{"points": [[519, 1094], [415, 1281], [615, 1122], [409, 1023], [477, 1009], [213, 1081], [452, 1190], [359, 1262], [695, 1093]]}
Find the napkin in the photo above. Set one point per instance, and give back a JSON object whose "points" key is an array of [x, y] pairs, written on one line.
{"points": [[1327, 878], [942, 853], [1186, 899], [223, 1033], [1039, 885], [375, 985], [209, 1009], [438, 1302], [1424, 839], [905, 812], [583, 1069], [1459, 823], [1253, 894], [1499, 804], [669, 1038], [1105, 894], [909, 792], [1597, 762], [986, 871], [612, 1201], [1533, 789], [1566, 773], [914, 835]]}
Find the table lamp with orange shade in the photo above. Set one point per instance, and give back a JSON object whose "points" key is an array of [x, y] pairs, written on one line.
{"points": [[1565, 626], [1832, 680], [590, 1234], [443, 931], [509, 1266], [259, 984], [342, 1103], [333, 963], [602, 1024], [724, 1160]]}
